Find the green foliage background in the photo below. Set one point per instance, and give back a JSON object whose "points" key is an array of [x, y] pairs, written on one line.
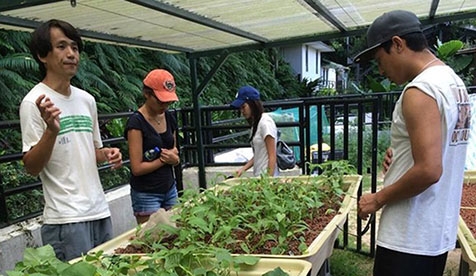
{"points": [[113, 75]]}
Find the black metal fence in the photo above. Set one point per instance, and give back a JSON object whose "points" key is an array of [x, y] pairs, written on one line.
{"points": [[351, 125]]}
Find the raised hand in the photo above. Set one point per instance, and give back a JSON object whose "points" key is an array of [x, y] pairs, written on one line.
{"points": [[49, 112]]}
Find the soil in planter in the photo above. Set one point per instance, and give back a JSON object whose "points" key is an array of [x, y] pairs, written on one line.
{"points": [[469, 200], [469, 195], [315, 227], [469, 217]]}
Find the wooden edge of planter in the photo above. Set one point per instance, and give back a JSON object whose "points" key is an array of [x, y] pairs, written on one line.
{"points": [[465, 237]]}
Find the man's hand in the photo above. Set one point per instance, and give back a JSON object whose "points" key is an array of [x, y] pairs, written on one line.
{"points": [[113, 156], [387, 160], [368, 204], [49, 112]]}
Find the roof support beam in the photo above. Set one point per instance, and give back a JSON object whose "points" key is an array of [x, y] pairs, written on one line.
{"points": [[449, 17], [279, 43], [324, 12], [193, 17], [19, 4], [433, 8], [197, 90], [30, 24]]}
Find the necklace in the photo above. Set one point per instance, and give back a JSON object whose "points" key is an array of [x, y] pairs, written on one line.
{"points": [[157, 121], [428, 64]]}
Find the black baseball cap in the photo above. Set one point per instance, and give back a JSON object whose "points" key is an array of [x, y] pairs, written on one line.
{"points": [[386, 26]]}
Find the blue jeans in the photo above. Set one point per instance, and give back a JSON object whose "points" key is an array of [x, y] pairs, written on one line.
{"points": [[145, 204]]}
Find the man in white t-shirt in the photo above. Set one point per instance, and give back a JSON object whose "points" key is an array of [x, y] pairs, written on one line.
{"points": [[62, 144], [425, 166]]}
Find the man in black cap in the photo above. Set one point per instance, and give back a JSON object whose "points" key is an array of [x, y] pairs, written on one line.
{"points": [[424, 166]]}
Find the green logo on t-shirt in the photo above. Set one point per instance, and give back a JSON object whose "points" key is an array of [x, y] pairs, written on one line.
{"points": [[75, 123]]}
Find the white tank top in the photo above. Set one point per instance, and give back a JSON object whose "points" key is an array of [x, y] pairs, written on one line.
{"points": [[427, 223]]}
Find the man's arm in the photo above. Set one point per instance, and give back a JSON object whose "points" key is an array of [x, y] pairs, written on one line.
{"points": [[423, 124], [39, 155]]}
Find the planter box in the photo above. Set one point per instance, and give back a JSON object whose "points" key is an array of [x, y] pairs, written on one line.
{"points": [[465, 237], [291, 267], [321, 248], [318, 251]]}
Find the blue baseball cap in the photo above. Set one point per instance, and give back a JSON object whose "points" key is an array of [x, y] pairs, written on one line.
{"points": [[245, 93]]}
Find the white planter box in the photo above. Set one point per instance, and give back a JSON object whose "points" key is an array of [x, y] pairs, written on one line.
{"points": [[319, 250]]}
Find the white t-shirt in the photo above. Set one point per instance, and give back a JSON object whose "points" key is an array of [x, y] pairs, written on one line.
{"points": [[71, 184], [427, 224], [266, 126]]}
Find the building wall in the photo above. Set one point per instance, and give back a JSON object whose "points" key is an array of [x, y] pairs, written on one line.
{"points": [[305, 61], [311, 63], [293, 56]]}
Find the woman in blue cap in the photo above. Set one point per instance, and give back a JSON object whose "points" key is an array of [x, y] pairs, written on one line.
{"points": [[264, 133]]}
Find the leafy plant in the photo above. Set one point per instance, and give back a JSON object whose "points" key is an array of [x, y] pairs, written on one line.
{"points": [[333, 174], [207, 261], [251, 216], [42, 261]]}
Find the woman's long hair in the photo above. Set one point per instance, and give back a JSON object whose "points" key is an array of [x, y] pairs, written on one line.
{"points": [[256, 107]]}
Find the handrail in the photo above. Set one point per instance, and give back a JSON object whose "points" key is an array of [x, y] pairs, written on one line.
{"points": [[218, 133]]}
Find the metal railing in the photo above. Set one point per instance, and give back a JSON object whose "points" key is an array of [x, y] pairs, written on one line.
{"points": [[347, 120]]}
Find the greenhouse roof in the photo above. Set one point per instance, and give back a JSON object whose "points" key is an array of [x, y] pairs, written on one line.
{"points": [[205, 27]]}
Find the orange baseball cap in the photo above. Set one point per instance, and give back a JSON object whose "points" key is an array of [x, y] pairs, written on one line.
{"points": [[163, 84]]}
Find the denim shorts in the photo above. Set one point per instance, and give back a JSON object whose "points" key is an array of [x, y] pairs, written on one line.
{"points": [[145, 204]]}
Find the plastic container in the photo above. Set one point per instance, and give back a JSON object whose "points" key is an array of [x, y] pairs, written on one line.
{"points": [[152, 154]]}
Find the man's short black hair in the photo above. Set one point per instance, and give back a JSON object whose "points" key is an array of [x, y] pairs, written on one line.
{"points": [[415, 41], [40, 44]]}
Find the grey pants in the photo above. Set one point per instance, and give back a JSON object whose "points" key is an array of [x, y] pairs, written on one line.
{"points": [[73, 239]]}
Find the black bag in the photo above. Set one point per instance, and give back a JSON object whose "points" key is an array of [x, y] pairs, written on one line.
{"points": [[285, 156]]}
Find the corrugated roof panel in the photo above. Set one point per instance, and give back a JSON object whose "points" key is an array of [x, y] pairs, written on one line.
{"points": [[131, 20], [202, 25], [358, 13], [268, 18], [452, 6]]}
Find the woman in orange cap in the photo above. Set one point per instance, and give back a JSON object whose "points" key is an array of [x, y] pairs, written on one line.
{"points": [[151, 133]]}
